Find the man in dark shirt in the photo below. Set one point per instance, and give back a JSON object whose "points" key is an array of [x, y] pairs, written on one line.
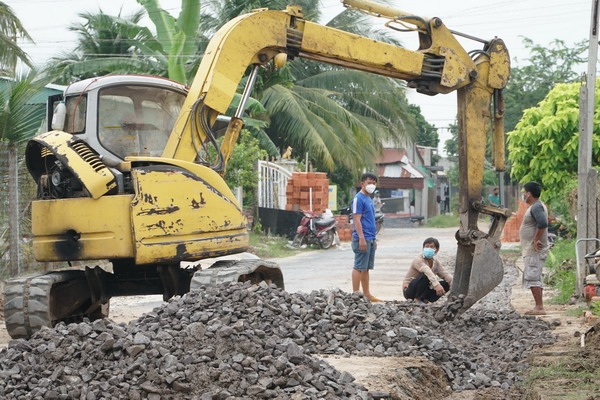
{"points": [[534, 243]]}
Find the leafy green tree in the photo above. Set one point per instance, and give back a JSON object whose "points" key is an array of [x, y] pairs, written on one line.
{"points": [[427, 134], [336, 116], [16, 119], [109, 44], [544, 145], [545, 67], [11, 29], [241, 170], [451, 145], [178, 37]]}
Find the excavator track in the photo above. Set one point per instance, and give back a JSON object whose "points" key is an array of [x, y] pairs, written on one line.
{"points": [[34, 302], [254, 271]]}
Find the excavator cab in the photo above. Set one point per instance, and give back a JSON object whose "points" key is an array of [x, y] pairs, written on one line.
{"points": [[119, 117]]}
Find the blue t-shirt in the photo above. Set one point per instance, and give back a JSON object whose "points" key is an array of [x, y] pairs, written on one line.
{"points": [[363, 205]]}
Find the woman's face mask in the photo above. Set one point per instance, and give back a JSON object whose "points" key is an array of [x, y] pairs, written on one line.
{"points": [[428, 252]]}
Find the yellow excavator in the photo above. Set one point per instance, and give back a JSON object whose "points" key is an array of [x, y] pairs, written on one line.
{"points": [[130, 170]]}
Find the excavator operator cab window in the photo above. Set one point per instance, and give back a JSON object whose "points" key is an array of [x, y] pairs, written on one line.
{"points": [[76, 107], [137, 120]]}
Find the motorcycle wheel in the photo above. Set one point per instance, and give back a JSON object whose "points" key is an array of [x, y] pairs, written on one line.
{"points": [[327, 240], [378, 226], [298, 239]]}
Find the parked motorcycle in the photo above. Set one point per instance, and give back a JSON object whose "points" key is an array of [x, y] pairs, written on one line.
{"points": [[316, 229], [379, 216]]}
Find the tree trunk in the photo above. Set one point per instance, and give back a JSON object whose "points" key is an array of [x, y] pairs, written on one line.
{"points": [[13, 211]]}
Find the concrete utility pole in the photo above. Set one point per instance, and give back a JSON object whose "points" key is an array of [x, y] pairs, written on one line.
{"points": [[586, 177]]}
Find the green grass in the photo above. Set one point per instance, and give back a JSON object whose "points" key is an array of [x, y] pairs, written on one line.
{"points": [[595, 307], [576, 312], [443, 221], [267, 246], [577, 375], [562, 251]]}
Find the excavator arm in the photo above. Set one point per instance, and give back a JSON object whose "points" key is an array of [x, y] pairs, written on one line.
{"points": [[439, 66]]}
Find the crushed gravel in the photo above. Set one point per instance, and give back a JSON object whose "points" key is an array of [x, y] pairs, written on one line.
{"points": [[235, 341]]}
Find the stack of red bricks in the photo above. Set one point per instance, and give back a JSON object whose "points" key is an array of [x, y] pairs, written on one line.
{"points": [[306, 188], [344, 228]]}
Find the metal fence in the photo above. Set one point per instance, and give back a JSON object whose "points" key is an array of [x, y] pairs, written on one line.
{"points": [[272, 183], [25, 191]]}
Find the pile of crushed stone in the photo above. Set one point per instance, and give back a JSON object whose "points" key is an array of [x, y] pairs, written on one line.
{"points": [[234, 341]]}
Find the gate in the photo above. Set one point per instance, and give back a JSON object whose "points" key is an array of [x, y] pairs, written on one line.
{"points": [[272, 182]]}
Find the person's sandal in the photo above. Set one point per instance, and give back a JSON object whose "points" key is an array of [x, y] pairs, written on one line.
{"points": [[535, 312], [374, 299]]}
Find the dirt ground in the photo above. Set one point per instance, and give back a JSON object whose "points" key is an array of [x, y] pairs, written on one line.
{"points": [[418, 378]]}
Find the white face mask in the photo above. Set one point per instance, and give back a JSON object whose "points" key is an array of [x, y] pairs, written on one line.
{"points": [[524, 198], [370, 188]]}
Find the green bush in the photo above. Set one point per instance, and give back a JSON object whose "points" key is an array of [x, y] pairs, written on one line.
{"points": [[561, 266]]}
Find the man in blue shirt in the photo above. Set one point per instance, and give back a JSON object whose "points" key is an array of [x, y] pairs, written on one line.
{"points": [[363, 237]]}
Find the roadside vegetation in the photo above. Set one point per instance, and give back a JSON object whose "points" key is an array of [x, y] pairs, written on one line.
{"points": [[561, 267], [561, 270], [574, 376], [443, 221], [268, 246]]}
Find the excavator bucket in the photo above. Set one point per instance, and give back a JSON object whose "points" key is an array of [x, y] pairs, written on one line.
{"points": [[480, 276], [486, 273]]}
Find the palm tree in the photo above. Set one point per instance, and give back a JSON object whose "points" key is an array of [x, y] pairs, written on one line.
{"points": [[339, 116], [109, 44], [116, 44], [11, 29]]}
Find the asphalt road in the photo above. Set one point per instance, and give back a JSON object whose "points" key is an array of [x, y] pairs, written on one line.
{"points": [[396, 248]]}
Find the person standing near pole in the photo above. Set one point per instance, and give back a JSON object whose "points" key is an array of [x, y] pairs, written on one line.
{"points": [[363, 236], [533, 235]]}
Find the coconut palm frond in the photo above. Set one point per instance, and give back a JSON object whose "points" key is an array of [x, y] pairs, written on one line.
{"points": [[18, 122]]}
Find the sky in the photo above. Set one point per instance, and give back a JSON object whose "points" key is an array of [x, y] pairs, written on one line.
{"points": [[543, 21]]}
